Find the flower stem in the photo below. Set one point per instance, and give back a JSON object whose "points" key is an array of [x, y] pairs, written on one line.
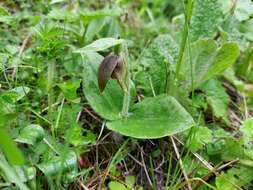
{"points": [[127, 97], [50, 81], [188, 13]]}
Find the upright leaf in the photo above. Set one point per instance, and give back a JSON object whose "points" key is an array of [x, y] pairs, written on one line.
{"points": [[203, 53], [199, 137], [224, 58], [207, 61], [247, 130]]}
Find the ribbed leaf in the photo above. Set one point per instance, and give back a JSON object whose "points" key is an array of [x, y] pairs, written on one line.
{"points": [[207, 15], [152, 118]]}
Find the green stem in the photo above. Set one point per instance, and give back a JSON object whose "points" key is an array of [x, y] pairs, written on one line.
{"points": [[50, 81], [188, 14], [126, 100]]}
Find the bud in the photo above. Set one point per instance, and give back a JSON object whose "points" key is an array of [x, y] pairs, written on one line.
{"points": [[112, 67]]}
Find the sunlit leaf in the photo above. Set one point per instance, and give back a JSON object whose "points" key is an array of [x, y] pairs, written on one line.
{"points": [[78, 136], [100, 45], [130, 181], [225, 57], [94, 28], [114, 185], [25, 173], [4, 11], [207, 15], [60, 14], [244, 9]]}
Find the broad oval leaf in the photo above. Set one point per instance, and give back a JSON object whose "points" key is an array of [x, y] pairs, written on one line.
{"points": [[107, 104], [153, 118]]}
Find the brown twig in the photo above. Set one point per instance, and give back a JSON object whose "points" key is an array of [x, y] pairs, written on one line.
{"points": [[21, 50], [180, 163], [93, 115], [134, 159], [145, 168], [213, 171], [82, 185], [200, 158]]}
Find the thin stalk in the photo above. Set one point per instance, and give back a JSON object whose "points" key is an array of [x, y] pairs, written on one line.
{"points": [[181, 163], [5, 76], [192, 70], [188, 14], [126, 100], [168, 172], [152, 171], [59, 115], [50, 81]]}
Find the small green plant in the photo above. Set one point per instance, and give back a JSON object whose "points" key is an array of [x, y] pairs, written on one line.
{"points": [[126, 94]]}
